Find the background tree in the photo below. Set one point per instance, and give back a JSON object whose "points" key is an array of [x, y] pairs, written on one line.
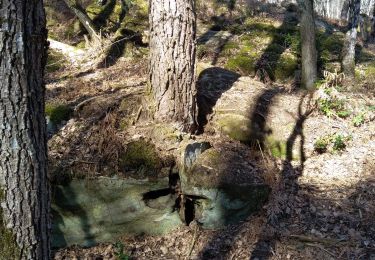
{"points": [[308, 43], [348, 56], [25, 203], [172, 61]]}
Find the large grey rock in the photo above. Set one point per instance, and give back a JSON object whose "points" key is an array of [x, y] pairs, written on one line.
{"points": [[223, 183], [91, 211]]}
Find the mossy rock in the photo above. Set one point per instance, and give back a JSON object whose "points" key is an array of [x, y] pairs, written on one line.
{"points": [[235, 126], [141, 159], [101, 210], [243, 64], [58, 112], [225, 188], [8, 247], [286, 67]]}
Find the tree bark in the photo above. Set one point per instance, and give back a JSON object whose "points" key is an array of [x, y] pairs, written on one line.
{"points": [[348, 60], [25, 204], [172, 61], [308, 44]]}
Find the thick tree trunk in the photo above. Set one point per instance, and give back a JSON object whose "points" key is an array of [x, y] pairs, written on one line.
{"points": [[348, 60], [172, 61], [84, 19], [25, 204], [308, 44]]}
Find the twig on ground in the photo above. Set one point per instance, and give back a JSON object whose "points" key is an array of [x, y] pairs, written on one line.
{"points": [[322, 248], [192, 243]]}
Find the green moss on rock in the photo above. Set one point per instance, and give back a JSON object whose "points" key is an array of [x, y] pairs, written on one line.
{"points": [[286, 67], [235, 126], [242, 63], [142, 157]]}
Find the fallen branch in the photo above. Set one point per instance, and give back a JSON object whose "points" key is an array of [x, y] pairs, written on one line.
{"points": [[326, 241], [323, 249]]}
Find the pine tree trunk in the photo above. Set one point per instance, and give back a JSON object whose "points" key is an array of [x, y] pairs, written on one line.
{"points": [[308, 44], [172, 61], [25, 205], [348, 60]]}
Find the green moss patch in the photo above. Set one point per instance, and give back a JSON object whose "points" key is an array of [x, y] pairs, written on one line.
{"points": [[58, 112], [235, 126], [242, 63], [263, 47], [276, 147], [286, 67], [141, 157]]}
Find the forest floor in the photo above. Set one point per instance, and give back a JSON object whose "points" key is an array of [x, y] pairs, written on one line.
{"points": [[321, 208], [322, 203]]}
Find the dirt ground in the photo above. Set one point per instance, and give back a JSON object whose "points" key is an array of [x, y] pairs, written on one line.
{"points": [[322, 204]]}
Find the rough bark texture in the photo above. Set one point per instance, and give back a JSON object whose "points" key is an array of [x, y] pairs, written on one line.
{"points": [[348, 57], [23, 150], [308, 44], [172, 61]]}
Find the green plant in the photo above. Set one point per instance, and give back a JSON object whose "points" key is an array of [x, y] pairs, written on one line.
{"points": [[293, 41], [359, 119], [343, 113], [339, 142], [119, 251], [321, 145], [329, 104], [335, 143]]}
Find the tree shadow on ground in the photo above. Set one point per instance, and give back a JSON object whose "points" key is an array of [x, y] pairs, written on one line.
{"points": [[259, 115], [284, 189], [283, 197], [211, 84]]}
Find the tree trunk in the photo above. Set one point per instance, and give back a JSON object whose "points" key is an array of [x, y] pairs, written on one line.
{"points": [[348, 60], [25, 202], [372, 32], [84, 19], [172, 61], [308, 44]]}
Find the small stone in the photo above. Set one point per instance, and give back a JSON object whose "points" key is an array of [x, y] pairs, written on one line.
{"points": [[164, 250]]}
